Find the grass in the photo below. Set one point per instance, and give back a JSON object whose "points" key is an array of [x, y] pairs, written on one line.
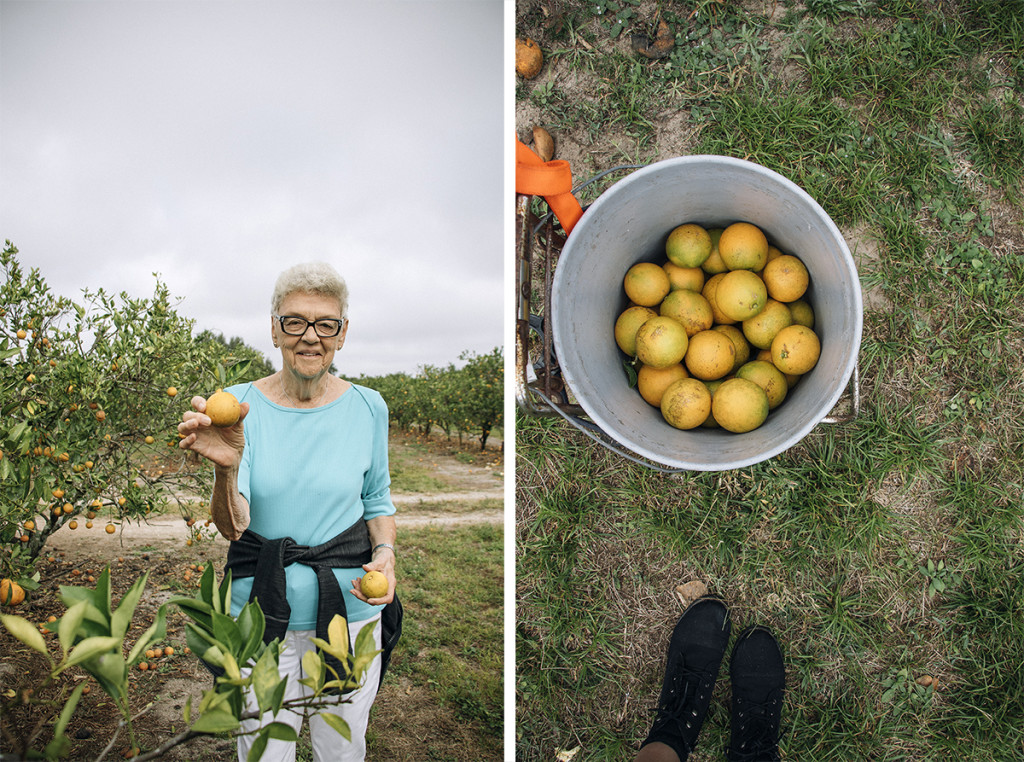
{"points": [[883, 551]]}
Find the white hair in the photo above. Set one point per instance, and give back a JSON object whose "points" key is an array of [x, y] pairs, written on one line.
{"points": [[311, 278]]}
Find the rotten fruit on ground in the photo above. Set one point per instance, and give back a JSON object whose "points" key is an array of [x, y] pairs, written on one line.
{"points": [[529, 58]]}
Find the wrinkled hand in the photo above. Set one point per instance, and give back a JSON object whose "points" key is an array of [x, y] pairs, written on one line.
{"points": [[385, 564], [222, 446]]}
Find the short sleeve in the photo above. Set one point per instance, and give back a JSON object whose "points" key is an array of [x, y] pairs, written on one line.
{"points": [[376, 493]]}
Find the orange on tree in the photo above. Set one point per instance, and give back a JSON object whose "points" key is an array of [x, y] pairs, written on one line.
{"points": [[110, 529], [11, 593], [172, 392]]}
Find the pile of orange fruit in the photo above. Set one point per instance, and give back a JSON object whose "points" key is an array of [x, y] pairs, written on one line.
{"points": [[719, 331]]}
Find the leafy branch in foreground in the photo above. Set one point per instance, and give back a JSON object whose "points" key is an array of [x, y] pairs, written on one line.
{"points": [[91, 636]]}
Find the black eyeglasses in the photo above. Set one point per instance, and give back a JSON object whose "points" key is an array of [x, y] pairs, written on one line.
{"points": [[325, 328]]}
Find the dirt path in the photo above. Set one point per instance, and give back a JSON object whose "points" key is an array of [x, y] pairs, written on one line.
{"points": [[166, 532]]}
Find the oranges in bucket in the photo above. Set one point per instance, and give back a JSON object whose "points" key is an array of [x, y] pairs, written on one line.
{"points": [[719, 330]]}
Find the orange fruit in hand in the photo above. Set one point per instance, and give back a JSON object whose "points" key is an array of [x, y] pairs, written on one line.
{"points": [[374, 584], [223, 409]]}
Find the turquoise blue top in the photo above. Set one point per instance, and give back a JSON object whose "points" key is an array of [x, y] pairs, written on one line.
{"points": [[310, 474]]}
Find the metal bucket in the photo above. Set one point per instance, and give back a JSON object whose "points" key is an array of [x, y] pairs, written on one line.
{"points": [[629, 223]]}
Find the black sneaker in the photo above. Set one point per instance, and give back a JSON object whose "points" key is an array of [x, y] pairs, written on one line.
{"points": [[694, 656], [758, 681]]}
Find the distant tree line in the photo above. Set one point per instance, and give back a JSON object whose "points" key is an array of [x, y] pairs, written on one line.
{"points": [[456, 399]]}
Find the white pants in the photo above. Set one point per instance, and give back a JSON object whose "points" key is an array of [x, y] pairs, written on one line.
{"points": [[328, 745]]}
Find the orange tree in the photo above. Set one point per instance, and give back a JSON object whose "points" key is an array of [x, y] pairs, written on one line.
{"points": [[91, 392], [479, 397]]}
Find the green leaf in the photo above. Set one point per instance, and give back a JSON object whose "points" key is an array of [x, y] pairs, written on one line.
{"points": [[226, 631], [69, 709], [122, 617], [265, 678], [259, 745], [282, 732], [206, 590], [251, 626], [201, 613], [338, 724], [156, 631], [69, 623], [313, 666], [91, 647], [110, 672], [24, 631], [101, 595], [216, 721], [337, 634], [225, 594]]}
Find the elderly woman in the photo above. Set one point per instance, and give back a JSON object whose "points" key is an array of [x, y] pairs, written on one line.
{"points": [[302, 491]]}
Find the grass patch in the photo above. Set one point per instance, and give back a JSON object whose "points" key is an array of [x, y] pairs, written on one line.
{"points": [[451, 587], [886, 552]]}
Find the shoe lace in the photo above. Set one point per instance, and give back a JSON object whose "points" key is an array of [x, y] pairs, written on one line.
{"points": [[687, 685], [757, 729]]}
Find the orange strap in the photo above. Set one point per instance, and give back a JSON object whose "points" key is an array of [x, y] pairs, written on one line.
{"points": [[552, 180]]}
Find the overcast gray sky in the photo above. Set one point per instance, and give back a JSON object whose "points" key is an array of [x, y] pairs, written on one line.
{"points": [[217, 143]]}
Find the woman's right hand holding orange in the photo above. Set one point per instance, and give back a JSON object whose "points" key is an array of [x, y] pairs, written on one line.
{"points": [[221, 446]]}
